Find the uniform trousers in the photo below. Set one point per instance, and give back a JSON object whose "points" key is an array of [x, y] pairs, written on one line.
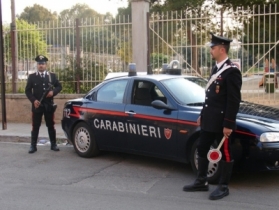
{"points": [[206, 141], [37, 120]]}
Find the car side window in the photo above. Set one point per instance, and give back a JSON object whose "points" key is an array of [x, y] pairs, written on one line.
{"points": [[159, 95], [112, 92], [144, 92]]}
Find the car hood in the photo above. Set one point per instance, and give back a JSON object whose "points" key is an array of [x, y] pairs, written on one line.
{"points": [[259, 114]]}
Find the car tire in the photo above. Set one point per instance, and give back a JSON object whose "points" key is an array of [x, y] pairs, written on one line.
{"points": [[214, 171], [84, 141]]}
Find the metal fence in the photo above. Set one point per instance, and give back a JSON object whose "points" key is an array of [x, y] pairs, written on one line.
{"points": [[82, 52]]}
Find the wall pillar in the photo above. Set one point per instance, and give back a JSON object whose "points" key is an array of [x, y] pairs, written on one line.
{"points": [[140, 8]]}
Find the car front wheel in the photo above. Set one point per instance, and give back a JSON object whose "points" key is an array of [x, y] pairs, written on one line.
{"points": [[84, 141], [214, 171]]}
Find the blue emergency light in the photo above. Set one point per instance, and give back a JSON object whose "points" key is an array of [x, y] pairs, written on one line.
{"points": [[132, 69]]}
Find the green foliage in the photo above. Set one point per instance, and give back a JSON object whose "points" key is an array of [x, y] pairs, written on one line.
{"points": [[157, 60], [100, 39], [164, 5], [37, 13], [84, 78], [30, 39], [124, 13], [79, 11], [123, 34], [238, 3], [125, 51], [21, 90], [182, 4], [26, 39], [264, 30]]}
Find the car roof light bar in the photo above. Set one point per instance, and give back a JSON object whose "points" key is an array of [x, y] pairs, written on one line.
{"points": [[132, 69], [172, 68]]}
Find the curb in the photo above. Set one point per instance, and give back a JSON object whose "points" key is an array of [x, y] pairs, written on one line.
{"points": [[24, 139]]}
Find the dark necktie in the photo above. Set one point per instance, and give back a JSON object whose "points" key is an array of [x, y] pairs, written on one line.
{"points": [[214, 70], [42, 75]]}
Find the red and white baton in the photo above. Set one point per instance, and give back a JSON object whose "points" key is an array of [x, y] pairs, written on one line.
{"points": [[214, 155]]}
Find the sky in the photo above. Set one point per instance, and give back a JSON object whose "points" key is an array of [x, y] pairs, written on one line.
{"points": [[101, 6]]}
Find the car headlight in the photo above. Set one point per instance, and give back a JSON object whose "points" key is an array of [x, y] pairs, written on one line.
{"points": [[270, 137]]}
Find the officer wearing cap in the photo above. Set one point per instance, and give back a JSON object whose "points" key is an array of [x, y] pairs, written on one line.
{"points": [[40, 89], [217, 117]]}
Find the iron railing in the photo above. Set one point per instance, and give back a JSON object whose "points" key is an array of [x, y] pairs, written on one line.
{"points": [[82, 52]]}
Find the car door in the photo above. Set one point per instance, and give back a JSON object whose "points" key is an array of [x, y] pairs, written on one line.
{"points": [[150, 131], [107, 115]]}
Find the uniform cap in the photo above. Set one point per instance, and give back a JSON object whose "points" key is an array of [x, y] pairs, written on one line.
{"points": [[219, 40], [41, 58]]}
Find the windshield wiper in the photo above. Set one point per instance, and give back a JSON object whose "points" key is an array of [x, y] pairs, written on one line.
{"points": [[195, 104]]}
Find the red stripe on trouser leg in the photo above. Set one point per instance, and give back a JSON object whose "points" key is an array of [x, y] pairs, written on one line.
{"points": [[32, 117], [32, 121], [226, 150]]}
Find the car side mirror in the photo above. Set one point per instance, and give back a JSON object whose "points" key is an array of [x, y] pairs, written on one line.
{"points": [[158, 104]]}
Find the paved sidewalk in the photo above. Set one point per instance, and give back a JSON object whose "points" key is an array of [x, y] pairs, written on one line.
{"points": [[21, 132]]}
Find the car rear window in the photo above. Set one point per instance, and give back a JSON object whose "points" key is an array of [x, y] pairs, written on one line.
{"points": [[112, 92]]}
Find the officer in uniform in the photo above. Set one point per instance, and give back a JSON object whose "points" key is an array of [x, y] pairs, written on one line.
{"points": [[40, 89], [218, 116]]}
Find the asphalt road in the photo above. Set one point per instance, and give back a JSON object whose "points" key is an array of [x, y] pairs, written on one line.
{"points": [[63, 180]]}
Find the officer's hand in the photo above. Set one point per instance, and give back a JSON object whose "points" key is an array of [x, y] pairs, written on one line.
{"points": [[199, 121], [227, 132], [50, 94], [36, 103]]}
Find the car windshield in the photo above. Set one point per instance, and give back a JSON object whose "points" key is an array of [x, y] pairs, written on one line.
{"points": [[200, 81], [184, 91]]}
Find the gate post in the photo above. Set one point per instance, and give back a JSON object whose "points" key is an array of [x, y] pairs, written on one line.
{"points": [[14, 50], [140, 8], [77, 67]]}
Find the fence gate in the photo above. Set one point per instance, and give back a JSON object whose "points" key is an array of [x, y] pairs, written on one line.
{"points": [[82, 51]]}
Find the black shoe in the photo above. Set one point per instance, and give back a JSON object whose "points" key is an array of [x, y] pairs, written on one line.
{"points": [[220, 192], [54, 147], [198, 185], [32, 149]]}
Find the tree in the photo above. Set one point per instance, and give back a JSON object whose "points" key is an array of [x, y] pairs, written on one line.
{"points": [[124, 11], [90, 75], [258, 26], [100, 40], [157, 60], [159, 9], [179, 4], [125, 51], [30, 42], [240, 3], [79, 11], [180, 33], [85, 16], [263, 32], [37, 13], [123, 33]]}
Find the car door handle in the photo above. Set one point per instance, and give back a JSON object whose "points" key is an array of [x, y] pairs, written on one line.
{"points": [[130, 113]]}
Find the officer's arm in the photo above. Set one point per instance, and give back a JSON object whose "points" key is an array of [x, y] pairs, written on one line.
{"points": [[57, 85], [28, 89], [234, 83]]}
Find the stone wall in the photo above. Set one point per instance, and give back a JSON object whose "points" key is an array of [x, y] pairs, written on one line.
{"points": [[18, 107]]}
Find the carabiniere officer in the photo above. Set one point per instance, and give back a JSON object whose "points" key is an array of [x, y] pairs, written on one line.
{"points": [[40, 89], [218, 116]]}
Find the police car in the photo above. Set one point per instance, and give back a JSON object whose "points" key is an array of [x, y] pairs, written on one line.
{"points": [[155, 115]]}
